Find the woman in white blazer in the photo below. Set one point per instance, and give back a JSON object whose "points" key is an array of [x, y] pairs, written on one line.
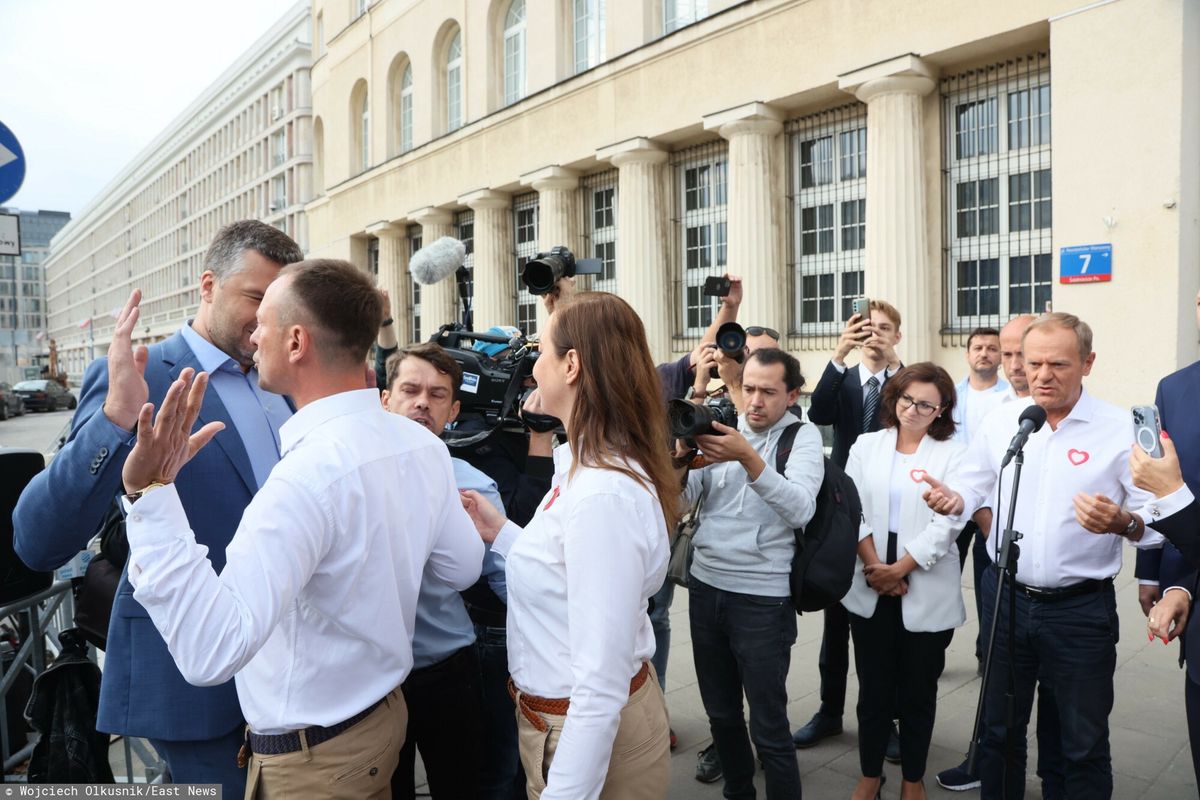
{"points": [[905, 601]]}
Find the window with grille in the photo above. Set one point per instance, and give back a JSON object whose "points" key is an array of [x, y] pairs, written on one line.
{"points": [[701, 189], [600, 226], [525, 238], [464, 222], [373, 257], [997, 246], [827, 198], [414, 288]]}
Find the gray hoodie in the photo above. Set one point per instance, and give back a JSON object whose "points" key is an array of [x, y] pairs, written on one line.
{"points": [[745, 541]]}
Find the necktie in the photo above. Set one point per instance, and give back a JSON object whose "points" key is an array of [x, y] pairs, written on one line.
{"points": [[871, 404]]}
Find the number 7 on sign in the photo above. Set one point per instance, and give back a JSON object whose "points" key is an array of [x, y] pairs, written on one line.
{"points": [[1087, 259]]}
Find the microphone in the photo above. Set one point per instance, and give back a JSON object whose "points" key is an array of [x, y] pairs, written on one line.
{"points": [[437, 260], [1032, 420]]}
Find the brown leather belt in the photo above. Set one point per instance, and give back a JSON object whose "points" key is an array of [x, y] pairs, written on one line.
{"points": [[532, 706]]}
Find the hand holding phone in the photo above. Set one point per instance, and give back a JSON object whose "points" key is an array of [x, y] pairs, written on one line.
{"points": [[717, 286], [1148, 430]]}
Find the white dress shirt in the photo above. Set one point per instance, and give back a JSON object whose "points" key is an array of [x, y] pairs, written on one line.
{"points": [[579, 576], [1089, 452], [865, 375], [313, 614]]}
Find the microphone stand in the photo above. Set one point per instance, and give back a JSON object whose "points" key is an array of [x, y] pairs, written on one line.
{"points": [[460, 277], [1007, 555]]}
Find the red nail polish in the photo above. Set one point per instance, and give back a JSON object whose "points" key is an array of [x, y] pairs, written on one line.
{"points": [[1165, 436]]}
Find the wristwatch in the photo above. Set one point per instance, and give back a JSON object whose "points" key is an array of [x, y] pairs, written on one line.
{"points": [[1132, 527], [133, 497]]}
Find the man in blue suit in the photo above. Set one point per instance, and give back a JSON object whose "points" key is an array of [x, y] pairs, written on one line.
{"points": [[197, 731]]}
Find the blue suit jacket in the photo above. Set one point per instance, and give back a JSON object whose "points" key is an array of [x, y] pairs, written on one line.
{"points": [[142, 693]]}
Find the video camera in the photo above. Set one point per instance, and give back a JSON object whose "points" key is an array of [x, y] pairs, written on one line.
{"points": [[493, 389], [687, 420], [544, 270]]}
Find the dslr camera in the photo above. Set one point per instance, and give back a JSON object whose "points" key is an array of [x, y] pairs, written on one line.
{"points": [[688, 420], [544, 270]]}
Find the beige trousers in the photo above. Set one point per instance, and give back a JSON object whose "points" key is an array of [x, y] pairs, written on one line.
{"points": [[357, 763], [640, 765]]}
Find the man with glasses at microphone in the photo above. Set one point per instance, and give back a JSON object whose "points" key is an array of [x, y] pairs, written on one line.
{"points": [[1072, 512]]}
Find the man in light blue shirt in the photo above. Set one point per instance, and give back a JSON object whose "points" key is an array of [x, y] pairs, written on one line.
{"points": [[443, 693], [983, 389]]}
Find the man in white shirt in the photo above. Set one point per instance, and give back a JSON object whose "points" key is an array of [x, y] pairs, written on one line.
{"points": [[979, 392], [1071, 512], [328, 558]]}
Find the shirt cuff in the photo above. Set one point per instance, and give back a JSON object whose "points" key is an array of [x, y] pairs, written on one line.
{"points": [[839, 367], [1180, 588], [156, 518], [1165, 506], [506, 539], [1147, 582]]}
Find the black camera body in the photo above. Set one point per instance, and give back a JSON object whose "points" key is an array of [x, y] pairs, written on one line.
{"points": [[492, 389], [687, 420], [545, 269]]}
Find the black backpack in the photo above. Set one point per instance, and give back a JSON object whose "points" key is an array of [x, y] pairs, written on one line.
{"points": [[827, 548]]}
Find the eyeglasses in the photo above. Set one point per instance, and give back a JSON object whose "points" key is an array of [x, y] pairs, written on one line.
{"points": [[924, 409], [758, 330]]}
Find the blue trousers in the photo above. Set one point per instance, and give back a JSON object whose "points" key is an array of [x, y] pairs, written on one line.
{"points": [[1070, 647], [500, 773], [742, 644], [660, 621], [207, 761]]}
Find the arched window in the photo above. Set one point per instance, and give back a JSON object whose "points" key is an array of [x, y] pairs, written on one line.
{"points": [[514, 52], [360, 129], [406, 110], [454, 70], [589, 33], [680, 13]]}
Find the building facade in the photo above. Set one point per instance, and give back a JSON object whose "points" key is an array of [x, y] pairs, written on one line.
{"points": [[936, 154], [242, 150], [23, 292]]}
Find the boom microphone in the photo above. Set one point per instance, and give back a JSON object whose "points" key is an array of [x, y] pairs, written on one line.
{"points": [[437, 260], [1032, 420]]}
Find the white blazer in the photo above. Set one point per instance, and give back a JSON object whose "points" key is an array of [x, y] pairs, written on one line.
{"points": [[934, 601]]}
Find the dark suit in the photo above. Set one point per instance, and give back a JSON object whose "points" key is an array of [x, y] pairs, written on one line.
{"points": [[143, 693], [1177, 563], [837, 400]]}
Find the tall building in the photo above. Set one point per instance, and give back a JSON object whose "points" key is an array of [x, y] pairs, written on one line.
{"points": [[940, 155], [23, 292], [243, 149]]}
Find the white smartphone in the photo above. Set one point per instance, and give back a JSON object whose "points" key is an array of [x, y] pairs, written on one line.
{"points": [[1148, 430]]}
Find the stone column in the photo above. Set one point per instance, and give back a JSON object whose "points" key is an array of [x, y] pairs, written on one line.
{"points": [[438, 301], [898, 267], [393, 266], [558, 218], [495, 265], [753, 213], [643, 268]]}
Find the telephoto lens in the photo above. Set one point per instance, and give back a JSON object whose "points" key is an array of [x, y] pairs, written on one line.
{"points": [[687, 419]]}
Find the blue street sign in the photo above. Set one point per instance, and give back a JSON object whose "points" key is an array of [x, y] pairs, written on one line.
{"points": [[1088, 263], [12, 164]]}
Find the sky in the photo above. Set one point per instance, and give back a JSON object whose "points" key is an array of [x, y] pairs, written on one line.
{"points": [[85, 85]]}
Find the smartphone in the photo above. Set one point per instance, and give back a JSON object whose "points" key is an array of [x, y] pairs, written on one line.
{"points": [[862, 307], [717, 286], [1147, 430]]}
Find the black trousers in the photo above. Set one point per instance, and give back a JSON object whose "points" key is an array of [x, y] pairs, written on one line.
{"points": [[834, 661], [898, 673], [1192, 697], [445, 723]]}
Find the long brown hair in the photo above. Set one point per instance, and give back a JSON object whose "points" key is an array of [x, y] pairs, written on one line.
{"points": [[619, 411]]}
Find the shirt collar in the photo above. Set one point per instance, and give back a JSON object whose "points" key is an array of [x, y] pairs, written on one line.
{"points": [[865, 375], [1084, 409], [211, 357], [318, 412]]}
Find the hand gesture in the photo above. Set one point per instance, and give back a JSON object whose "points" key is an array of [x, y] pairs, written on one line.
{"points": [[563, 289], [1169, 616], [127, 389], [734, 298], [1148, 595], [941, 498], [705, 363], [488, 520], [728, 369], [1097, 514], [725, 444], [165, 445], [1159, 476], [885, 349], [886, 579], [853, 335]]}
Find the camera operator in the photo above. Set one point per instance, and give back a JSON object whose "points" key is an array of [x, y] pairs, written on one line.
{"points": [[442, 691], [521, 465], [742, 621]]}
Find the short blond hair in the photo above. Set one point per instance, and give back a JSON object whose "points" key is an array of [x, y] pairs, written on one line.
{"points": [[1064, 321], [888, 310]]}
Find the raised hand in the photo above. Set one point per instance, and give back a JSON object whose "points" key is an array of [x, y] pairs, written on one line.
{"points": [[488, 520], [165, 444], [852, 336], [941, 498], [1159, 476], [127, 389]]}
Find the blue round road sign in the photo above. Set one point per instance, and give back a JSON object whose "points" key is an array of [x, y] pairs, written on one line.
{"points": [[12, 164]]}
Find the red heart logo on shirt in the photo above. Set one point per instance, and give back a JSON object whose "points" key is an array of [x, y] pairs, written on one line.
{"points": [[550, 502], [917, 475], [1077, 457]]}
